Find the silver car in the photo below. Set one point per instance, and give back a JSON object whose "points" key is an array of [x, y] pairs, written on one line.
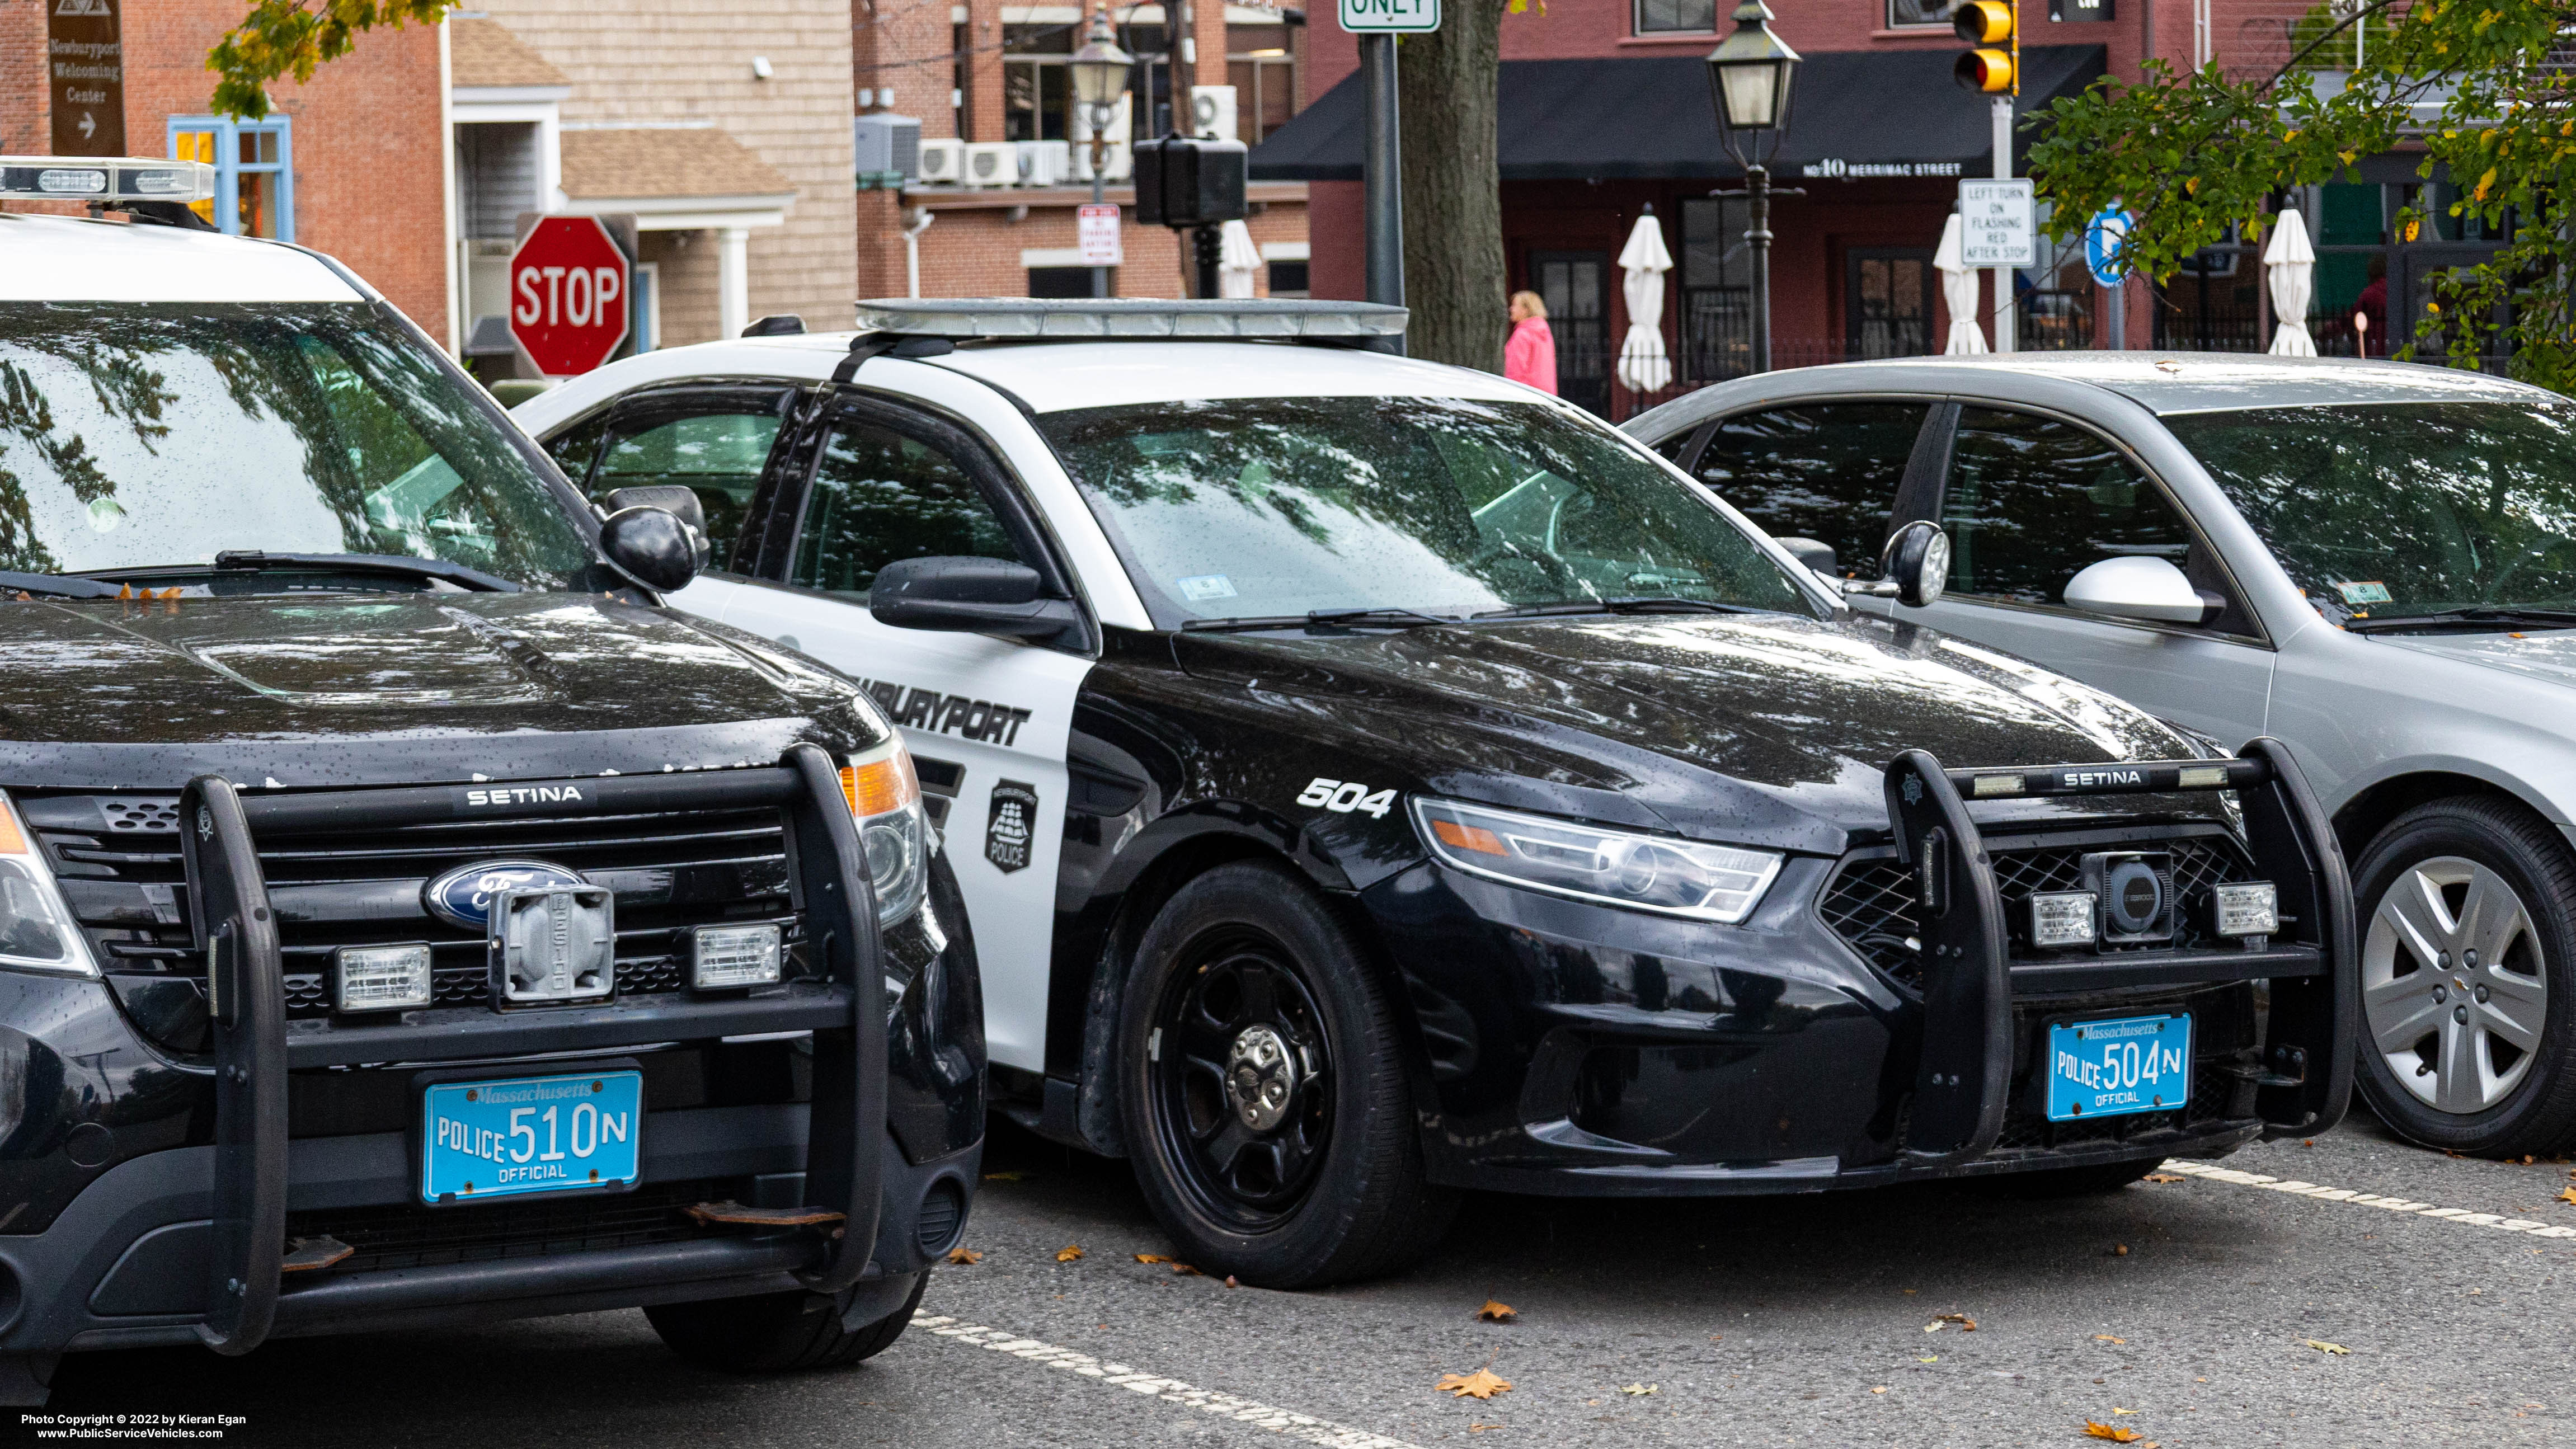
{"points": [[2375, 562]]}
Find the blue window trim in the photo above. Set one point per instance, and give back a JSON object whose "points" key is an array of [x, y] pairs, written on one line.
{"points": [[229, 166]]}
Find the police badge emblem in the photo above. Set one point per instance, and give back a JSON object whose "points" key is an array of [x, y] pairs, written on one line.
{"points": [[1013, 826]]}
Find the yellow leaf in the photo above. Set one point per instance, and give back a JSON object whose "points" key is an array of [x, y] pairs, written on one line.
{"points": [[1482, 1384], [2105, 1431], [2191, 186], [964, 1257], [2567, 1194], [2486, 183], [2106, 1338], [1068, 1252], [2117, 1410], [1481, 1428], [1936, 1358], [1640, 1390], [1497, 1311], [1151, 1258], [2321, 1346], [1004, 1176], [2347, 156], [2166, 1177], [1880, 1389]]}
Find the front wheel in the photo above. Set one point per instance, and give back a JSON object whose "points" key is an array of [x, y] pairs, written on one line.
{"points": [[777, 1332], [1262, 1085], [2468, 978]]}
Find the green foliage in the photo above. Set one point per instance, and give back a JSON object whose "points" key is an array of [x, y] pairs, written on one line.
{"points": [[2471, 80], [281, 38]]}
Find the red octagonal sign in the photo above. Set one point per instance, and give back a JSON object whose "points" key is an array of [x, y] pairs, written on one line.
{"points": [[568, 291]]}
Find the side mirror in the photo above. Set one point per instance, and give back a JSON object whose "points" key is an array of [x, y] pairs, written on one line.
{"points": [[2141, 586], [1815, 553], [1915, 565], [670, 497], [653, 546], [972, 596]]}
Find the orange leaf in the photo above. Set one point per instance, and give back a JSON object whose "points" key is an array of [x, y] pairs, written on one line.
{"points": [[1482, 1384], [2567, 1194], [1151, 1258], [2165, 1177], [2105, 1431], [2106, 1338], [1966, 1324], [1068, 1252], [1185, 1270], [964, 1257], [1496, 1311]]}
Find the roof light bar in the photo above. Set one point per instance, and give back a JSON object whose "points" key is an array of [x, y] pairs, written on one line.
{"points": [[1121, 318], [106, 178]]}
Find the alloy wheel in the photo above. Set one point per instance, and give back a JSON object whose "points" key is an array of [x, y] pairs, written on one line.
{"points": [[2453, 986], [1242, 1081]]}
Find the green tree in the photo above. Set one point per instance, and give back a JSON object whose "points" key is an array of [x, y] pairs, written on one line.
{"points": [[281, 38], [2474, 82]]}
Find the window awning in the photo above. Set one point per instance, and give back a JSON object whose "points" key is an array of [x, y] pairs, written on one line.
{"points": [[1856, 113]]}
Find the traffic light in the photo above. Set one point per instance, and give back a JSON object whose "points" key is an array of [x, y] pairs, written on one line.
{"points": [[1994, 28]]}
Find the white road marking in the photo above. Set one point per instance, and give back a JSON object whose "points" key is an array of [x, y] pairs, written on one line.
{"points": [[2211, 1172], [1304, 1427]]}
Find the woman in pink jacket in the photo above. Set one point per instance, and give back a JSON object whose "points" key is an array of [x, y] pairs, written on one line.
{"points": [[1530, 355]]}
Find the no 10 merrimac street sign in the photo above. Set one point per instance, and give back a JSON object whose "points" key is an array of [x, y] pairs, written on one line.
{"points": [[1390, 17]]}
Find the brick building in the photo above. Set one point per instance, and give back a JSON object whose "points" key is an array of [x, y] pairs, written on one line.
{"points": [[993, 76], [351, 163], [723, 130], [1605, 112]]}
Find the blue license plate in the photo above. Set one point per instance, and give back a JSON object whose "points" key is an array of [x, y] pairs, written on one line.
{"points": [[530, 1134], [2109, 1068]]}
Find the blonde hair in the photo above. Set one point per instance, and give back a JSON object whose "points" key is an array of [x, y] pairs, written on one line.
{"points": [[1532, 303]]}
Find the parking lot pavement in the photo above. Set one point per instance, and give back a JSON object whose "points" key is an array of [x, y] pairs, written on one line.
{"points": [[2183, 1309]]}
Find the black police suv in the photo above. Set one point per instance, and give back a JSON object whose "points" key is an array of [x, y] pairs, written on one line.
{"points": [[404, 919]]}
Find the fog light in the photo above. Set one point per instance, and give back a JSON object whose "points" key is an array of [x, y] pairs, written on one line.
{"points": [[736, 956], [2248, 908], [2061, 918], [380, 978]]}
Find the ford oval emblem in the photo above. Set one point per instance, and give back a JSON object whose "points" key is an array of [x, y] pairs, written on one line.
{"points": [[463, 896]]}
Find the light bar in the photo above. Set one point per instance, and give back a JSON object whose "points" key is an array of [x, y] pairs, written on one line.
{"points": [[735, 956], [380, 978], [2061, 918], [1118, 319], [2248, 908], [106, 178]]}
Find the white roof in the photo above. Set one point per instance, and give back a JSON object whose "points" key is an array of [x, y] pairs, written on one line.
{"points": [[68, 259], [1054, 376]]}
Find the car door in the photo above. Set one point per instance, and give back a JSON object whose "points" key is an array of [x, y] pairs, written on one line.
{"points": [[986, 718], [1834, 471], [2029, 500]]}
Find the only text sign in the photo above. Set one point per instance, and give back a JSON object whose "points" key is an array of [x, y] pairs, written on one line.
{"points": [[1996, 228], [1390, 17]]}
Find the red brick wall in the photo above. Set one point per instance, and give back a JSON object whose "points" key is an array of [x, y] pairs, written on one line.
{"points": [[908, 46], [974, 251], [369, 184]]}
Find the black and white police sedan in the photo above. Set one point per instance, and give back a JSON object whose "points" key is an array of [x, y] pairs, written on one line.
{"points": [[1369, 779]]}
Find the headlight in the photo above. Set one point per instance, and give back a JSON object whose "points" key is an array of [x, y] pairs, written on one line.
{"points": [[36, 931], [1644, 872], [885, 799]]}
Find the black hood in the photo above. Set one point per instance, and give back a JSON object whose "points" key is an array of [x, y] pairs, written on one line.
{"points": [[352, 689], [1767, 728]]}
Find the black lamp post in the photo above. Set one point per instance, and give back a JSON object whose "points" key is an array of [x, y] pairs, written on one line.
{"points": [[1100, 74], [1748, 79]]}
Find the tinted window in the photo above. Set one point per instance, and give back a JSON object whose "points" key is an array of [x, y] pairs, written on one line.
{"points": [[2033, 501], [575, 447], [1827, 471], [880, 497], [718, 456]]}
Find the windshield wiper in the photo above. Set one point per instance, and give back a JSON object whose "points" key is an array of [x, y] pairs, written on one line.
{"points": [[2471, 615], [1620, 604], [1326, 618], [234, 560], [61, 586]]}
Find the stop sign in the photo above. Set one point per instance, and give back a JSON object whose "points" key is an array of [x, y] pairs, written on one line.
{"points": [[568, 291]]}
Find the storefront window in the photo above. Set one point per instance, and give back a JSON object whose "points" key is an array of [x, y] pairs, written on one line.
{"points": [[1717, 291], [1689, 17], [1902, 14], [254, 172]]}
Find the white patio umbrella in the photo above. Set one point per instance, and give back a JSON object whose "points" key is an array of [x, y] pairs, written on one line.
{"points": [[1643, 367], [1958, 292], [1238, 260], [2289, 264]]}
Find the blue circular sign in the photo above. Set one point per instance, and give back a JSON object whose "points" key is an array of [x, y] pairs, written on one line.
{"points": [[463, 896], [2103, 237]]}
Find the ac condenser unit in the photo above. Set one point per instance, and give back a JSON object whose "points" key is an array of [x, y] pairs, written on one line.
{"points": [[992, 163], [943, 161], [1045, 163], [885, 142], [1212, 113]]}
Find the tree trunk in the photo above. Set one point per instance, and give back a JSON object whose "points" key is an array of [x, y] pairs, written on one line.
{"points": [[1453, 206]]}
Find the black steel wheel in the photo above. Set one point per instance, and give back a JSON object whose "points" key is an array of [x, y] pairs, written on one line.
{"points": [[1263, 1091]]}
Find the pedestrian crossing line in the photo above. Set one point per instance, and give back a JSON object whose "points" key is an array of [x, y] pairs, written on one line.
{"points": [[1294, 1425], [2212, 1172]]}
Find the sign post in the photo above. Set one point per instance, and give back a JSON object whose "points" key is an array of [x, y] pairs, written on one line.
{"points": [[1377, 23], [2104, 237], [569, 285]]}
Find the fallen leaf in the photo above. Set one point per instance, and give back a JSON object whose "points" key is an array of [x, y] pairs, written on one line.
{"points": [[1482, 1384], [2321, 1346], [1966, 1324], [1481, 1428], [2165, 1177], [2117, 1410], [1151, 1258], [1068, 1252], [2567, 1194], [1185, 1270], [1636, 1390], [2119, 1250], [2106, 1338], [1936, 1358], [1908, 1292], [1497, 1311], [1879, 1390], [2116, 1436], [1934, 1327], [1004, 1176], [964, 1257]]}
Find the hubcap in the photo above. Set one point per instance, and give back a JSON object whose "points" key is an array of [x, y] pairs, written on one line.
{"points": [[1260, 1077], [2453, 985], [1241, 1081]]}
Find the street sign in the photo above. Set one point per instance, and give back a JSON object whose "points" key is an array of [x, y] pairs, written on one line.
{"points": [[1390, 17], [2103, 236], [85, 59], [568, 291], [1995, 225], [1096, 237]]}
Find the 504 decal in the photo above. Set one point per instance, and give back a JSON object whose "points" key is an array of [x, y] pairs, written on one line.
{"points": [[1347, 797]]}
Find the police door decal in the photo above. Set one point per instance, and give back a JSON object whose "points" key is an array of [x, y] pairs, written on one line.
{"points": [[1013, 825]]}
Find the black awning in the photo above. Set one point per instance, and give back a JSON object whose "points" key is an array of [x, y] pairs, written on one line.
{"points": [[1855, 113]]}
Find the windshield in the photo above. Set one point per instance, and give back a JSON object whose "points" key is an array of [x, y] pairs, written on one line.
{"points": [[154, 434], [2385, 510], [1279, 506]]}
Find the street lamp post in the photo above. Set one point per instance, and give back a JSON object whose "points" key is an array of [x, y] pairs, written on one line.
{"points": [[1748, 79], [1100, 75]]}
